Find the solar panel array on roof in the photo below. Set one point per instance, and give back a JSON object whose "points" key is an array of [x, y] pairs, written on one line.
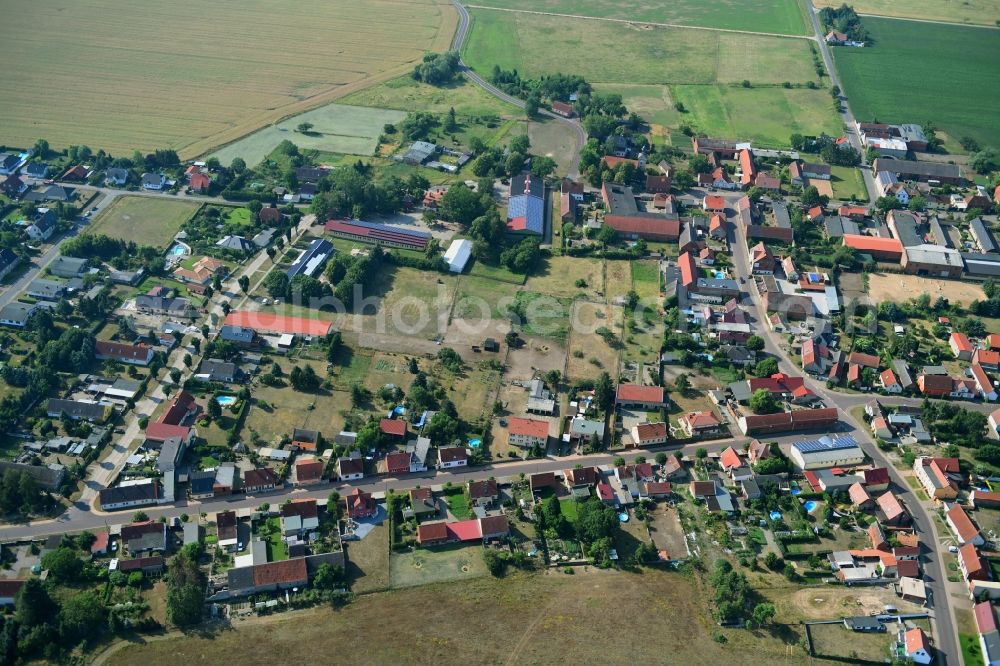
{"points": [[825, 444], [526, 213]]}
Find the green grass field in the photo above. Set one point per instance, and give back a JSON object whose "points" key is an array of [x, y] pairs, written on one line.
{"points": [[766, 115], [337, 128], [646, 279], [194, 76], [948, 89], [602, 51], [847, 183], [144, 220], [781, 16], [972, 12]]}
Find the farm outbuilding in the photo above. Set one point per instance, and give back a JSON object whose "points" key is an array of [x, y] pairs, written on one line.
{"points": [[458, 255]]}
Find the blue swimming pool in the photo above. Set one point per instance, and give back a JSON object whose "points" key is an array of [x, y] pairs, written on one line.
{"points": [[475, 443], [400, 410], [775, 515], [623, 517], [178, 250], [225, 400], [719, 275], [796, 491], [810, 505]]}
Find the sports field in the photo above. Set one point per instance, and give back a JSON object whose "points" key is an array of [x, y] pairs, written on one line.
{"points": [[952, 66], [780, 16], [603, 51], [973, 12], [337, 128], [193, 75], [143, 220]]}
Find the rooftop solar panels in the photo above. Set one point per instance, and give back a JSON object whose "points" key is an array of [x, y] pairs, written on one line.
{"points": [[825, 444]]}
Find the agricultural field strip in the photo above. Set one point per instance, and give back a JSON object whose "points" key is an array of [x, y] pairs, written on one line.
{"points": [[634, 22], [182, 103]]}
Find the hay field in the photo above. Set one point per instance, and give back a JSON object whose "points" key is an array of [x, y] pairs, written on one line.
{"points": [[603, 51], [951, 93], [337, 128], [780, 16], [520, 619], [143, 220], [192, 75]]}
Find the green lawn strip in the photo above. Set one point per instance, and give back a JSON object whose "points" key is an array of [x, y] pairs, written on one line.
{"points": [[779, 16]]}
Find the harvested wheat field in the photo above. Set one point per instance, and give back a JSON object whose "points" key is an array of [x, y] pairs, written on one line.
{"points": [[522, 619], [192, 75]]}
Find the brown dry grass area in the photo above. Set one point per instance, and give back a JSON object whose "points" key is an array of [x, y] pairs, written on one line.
{"points": [[591, 316], [523, 619], [617, 279], [368, 561], [893, 287], [828, 603]]}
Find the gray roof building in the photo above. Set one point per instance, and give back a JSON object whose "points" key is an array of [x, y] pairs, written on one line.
{"points": [[419, 152], [17, 314], [76, 409], [836, 226], [237, 334], [46, 290], [902, 373], [983, 236], [312, 259], [68, 267], [236, 243], [981, 264]]}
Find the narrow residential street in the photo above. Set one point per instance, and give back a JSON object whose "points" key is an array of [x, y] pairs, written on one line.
{"points": [[935, 575]]}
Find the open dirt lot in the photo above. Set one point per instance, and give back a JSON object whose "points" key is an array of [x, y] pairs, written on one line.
{"points": [[828, 603], [538, 355], [667, 533], [824, 187], [521, 619], [143, 220], [882, 286], [193, 76]]}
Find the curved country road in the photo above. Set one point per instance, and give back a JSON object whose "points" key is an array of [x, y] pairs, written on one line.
{"points": [[573, 169]]}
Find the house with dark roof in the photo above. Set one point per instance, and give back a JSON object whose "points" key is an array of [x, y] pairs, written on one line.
{"points": [[77, 410], [260, 479], [8, 261], [68, 267], [17, 314], [144, 538], [126, 497], [624, 216]]}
